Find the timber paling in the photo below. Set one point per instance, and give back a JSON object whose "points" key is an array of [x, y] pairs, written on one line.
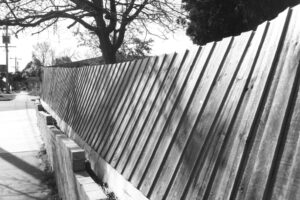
{"points": [[214, 122]]}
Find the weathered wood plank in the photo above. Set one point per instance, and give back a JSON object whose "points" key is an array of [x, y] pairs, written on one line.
{"points": [[230, 111], [167, 110], [127, 85], [231, 148], [213, 70], [112, 101], [98, 102], [168, 131], [71, 98], [92, 99], [88, 102], [67, 92], [144, 114], [82, 94], [51, 88], [131, 110], [274, 127], [109, 123], [99, 91], [159, 99], [113, 128], [79, 96], [286, 184], [244, 178], [100, 138], [187, 149], [135, 116], [58, 79], [59, 94], [63, 87], [94, 128]]}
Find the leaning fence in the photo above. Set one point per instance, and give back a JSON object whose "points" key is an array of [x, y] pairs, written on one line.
{"points": [[214, 122]]}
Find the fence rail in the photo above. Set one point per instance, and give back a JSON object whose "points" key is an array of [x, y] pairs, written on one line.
{"points": [[214, 122]]}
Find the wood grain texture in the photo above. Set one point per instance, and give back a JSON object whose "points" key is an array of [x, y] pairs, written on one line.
{"points": [[114, 128], [147, 106], [112, 100], [133, 110], [122, 97], [155, 111]]}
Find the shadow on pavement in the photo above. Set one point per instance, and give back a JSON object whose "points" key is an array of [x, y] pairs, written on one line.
{"points": [[21, 164], [7, 97], [20, 192]]}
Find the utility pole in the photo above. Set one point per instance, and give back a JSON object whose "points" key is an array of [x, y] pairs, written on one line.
{"points": [[6, 41], [6, 50], [16, 63]]}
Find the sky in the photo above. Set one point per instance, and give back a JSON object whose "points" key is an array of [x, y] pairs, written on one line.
{"points": [[62, 40]]}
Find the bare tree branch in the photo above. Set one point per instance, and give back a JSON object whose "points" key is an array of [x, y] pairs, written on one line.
{"points": [[108, 19]]}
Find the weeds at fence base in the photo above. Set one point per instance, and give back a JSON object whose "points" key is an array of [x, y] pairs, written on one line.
{"points": [[48, 178], [107, 191]]}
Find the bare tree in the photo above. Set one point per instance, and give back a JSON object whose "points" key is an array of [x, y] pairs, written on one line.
{"points": [[107, 19], [44, 52]]}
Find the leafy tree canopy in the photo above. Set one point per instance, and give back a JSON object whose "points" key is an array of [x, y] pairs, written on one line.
{"points": [[133, 46], [16, 77], [109, 20], [33, 68], [211, 20], [62, 60]]}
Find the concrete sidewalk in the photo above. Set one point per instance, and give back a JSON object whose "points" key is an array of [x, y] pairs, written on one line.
{"points": [[21, 176]]}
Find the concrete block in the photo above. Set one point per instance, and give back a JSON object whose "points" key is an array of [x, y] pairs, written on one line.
{"points": [[91, 187], [75, 154], [78, 161], [68, 161], [47, 118], [60, 137], [39, 107], [83, 177], [94, 192], [78, 165], [97, 195], [88, 188], [54, 130], [78, 154]]}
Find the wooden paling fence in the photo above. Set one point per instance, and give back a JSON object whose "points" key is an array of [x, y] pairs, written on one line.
{"points": [[220, 121]]}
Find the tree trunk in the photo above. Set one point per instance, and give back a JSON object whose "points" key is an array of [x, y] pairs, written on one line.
{"points": [[109, 55], [107, 49]]}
